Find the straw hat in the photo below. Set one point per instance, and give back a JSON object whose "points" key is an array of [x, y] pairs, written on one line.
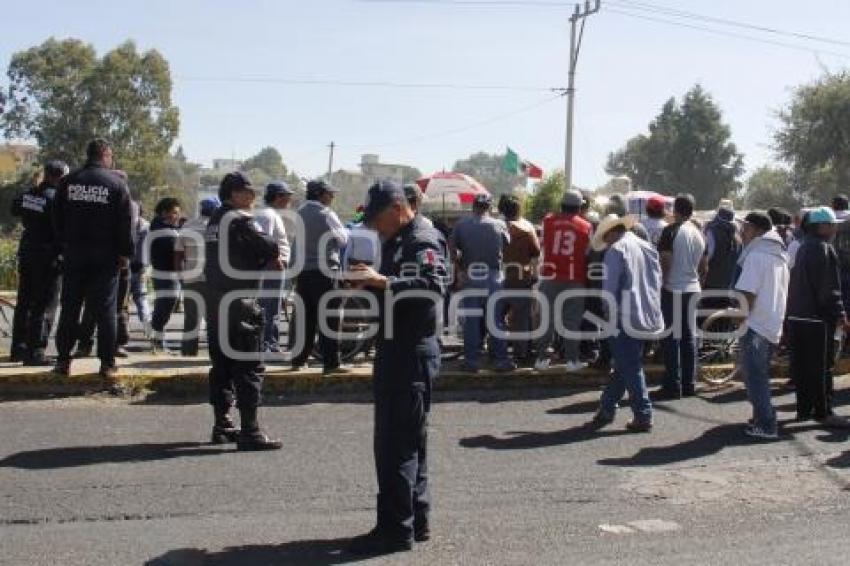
{"points": [[612, 220]]}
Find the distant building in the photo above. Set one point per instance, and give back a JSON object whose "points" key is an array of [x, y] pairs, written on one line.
{"points": [[371, 167], [226, 165], [354, 184], [220, 167]]}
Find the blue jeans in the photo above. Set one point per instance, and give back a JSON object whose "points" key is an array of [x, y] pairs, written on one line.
{"points": [[271, 307], [139, 292], [627, 356], [472, 323], [572, 311], [680, 344], [756, 352]]}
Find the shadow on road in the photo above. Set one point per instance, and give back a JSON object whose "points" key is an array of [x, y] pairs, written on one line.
{"points": [[582, 408], [55, 458], [840, 461], [520, 440], [312, 552], [710, 442], [736, 395]]}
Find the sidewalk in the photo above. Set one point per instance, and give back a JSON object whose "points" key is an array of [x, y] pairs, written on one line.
{"points": [[168, 375]]}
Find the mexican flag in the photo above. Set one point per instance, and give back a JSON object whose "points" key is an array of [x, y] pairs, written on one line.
{"points": [[513, 164]]}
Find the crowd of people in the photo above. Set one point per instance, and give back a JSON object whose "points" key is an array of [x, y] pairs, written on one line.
{"points": [[583, 289], [785, 276]]}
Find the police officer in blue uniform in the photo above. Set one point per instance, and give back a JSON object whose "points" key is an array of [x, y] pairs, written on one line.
{"points": [[92, 221], [38, 268], [247, 251], [407, 361]]}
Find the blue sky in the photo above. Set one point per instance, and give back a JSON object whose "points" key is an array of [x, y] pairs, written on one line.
{"points": [[629, 67]]}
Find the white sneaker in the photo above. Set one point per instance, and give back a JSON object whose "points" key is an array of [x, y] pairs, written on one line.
{"points": [[541, 364], [147, 330], [574, 366]]}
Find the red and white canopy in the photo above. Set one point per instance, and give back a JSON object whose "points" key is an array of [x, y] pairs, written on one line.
{"points": [[450, 190]]}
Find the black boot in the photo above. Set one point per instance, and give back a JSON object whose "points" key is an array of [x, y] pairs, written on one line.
{"points": [[37, 358], [376, 543], [251, 438], [421, 530], [224, 431]]}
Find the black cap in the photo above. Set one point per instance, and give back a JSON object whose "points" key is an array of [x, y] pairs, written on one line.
{"points": [[760, 220], [482, 200], [381, 195], [278, 188], [233, 182], [316, 187]]}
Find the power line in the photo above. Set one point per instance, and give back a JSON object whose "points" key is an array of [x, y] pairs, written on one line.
{"points": [[629, 4], [656, 8], [364, 84], [727, 33]]}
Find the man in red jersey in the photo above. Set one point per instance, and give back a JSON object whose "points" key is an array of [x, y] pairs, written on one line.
{"points": [[566, 236]]}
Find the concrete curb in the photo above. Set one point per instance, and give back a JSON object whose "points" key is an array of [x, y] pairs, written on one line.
{"points": [[282, 382]]}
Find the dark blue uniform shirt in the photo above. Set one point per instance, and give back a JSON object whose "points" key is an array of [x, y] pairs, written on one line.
{"points": [[92, 210], [35, 208], [407, 342]]}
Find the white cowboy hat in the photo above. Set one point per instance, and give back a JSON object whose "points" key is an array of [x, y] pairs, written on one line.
{"points": [[597, 242]]}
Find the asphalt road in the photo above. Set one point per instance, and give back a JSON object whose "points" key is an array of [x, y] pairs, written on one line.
{"points": [[516, 481]]}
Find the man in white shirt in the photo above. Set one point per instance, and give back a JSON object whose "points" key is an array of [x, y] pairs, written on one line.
{"points": [[684, 264], [277, 198], [324, 236], [764, 282]]}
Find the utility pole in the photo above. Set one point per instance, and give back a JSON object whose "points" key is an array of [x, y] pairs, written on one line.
{"points": [[331, 161], [579, 15]]}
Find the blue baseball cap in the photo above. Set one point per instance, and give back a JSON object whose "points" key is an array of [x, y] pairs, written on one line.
{"points": [[278, 188], [209, 205], [381, 195], [822, 215]]}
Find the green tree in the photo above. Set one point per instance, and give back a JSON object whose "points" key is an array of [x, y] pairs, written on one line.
{"points": [[267, 165], [269, 160], [182, 179], [771, 186], [62, 95], [688, 149], [487, 169], [546, 198], [814, 136]]}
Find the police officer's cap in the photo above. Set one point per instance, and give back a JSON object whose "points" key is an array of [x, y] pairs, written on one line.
{"points": [[276, 188], [317, 187], [55, 168], [235, 181], [381, 195]]}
